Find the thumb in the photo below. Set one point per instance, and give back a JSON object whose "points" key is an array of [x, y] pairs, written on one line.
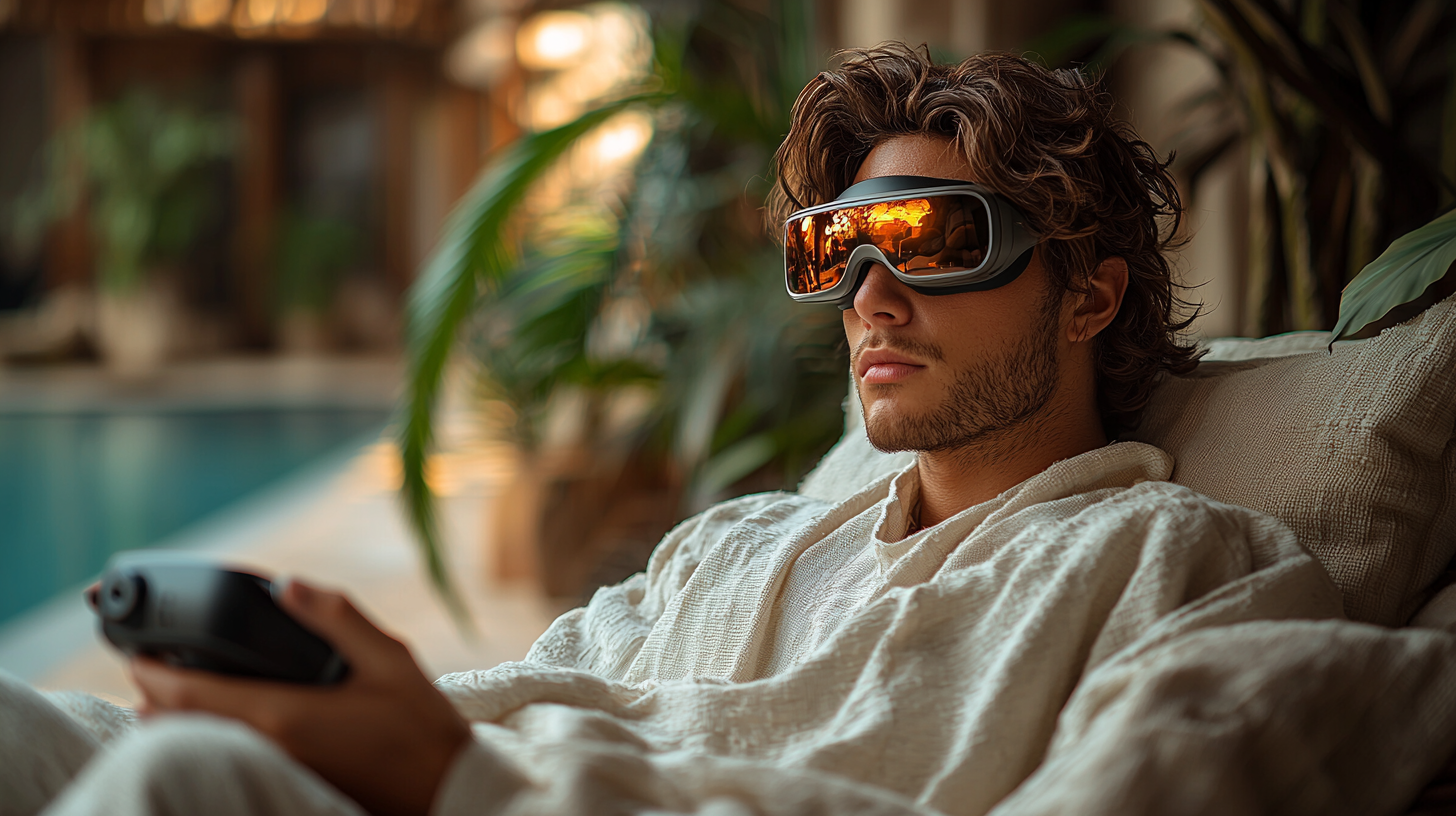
{"points": [[333, 617]]}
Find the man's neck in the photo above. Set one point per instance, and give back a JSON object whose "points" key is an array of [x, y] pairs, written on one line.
{"points": [[954, 479]]}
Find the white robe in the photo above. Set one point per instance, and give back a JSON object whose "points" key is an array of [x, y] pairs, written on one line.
{"points": [[1093, 640]]}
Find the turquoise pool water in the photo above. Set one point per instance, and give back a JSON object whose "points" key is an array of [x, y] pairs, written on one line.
{"points": [[77, 487]]}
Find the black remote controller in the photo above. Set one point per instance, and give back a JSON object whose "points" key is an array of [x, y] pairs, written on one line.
{"points": [[188, 612]]}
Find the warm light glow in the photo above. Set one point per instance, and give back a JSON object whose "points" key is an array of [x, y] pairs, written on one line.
{"points": [[479, 58], [589, 53], [365, 13], [611, 51], [549, 110], [907, 213], [881, 219], [553, 39], [839, 224], [256, 17], [303, 12], [622, 137], [258, 13], [380, 469], [206, 13]]}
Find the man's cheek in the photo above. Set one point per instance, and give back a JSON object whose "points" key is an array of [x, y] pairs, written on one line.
{"points": [[853, 328]]}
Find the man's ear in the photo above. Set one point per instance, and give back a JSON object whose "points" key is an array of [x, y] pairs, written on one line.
{"points": [[1096, 309]]}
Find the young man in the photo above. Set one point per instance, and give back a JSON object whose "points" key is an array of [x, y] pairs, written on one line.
{"points": [[1027, 620]]}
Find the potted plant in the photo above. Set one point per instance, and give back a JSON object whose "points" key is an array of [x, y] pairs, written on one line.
{"points": [[139, 164]]}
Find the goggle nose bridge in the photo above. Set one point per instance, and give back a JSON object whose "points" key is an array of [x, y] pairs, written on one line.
{"points": [[848, 286], [854, 271]]}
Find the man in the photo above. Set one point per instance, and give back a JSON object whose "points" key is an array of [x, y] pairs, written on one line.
{"points": [[1026, 620]]}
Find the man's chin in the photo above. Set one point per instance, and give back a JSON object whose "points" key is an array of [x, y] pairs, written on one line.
{"points": [[890, 446], [893, 434], [893, 430]]}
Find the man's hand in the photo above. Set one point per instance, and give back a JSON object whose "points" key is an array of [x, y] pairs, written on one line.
{"points": [[385, 736]]}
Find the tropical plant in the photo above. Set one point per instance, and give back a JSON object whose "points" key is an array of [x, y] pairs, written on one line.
{"points": [[675, 288], [1347, 111], [140, 164]]}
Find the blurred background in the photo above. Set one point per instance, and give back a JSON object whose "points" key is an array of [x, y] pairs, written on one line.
{"points": [[213, 212]]}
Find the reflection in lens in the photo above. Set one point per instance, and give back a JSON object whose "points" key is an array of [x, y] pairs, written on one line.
{"points": [[926, 235], [816, 249], [919, 235], [954, 235]]}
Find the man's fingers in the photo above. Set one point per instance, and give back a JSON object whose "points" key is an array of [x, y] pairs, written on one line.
{"points": [[334, 618], [266, 706], [168, 688]]}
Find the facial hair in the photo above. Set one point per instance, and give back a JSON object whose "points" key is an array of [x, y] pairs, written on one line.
{"points": [[984, 401]]}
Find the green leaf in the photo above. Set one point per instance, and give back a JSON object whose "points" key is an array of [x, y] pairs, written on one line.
{"points": [[472, 252], [1411, 263]]}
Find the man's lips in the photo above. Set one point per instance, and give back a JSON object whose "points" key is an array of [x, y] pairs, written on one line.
{"points": [[881, 366]]}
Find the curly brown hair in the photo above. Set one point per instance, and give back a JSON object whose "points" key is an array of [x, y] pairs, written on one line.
{"points": [[1045, 139]]}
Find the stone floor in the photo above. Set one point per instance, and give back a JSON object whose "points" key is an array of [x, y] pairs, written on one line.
{"points": [[340, 526]]}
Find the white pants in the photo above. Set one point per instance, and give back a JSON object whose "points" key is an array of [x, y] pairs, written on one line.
{"points": [[71, 753]]}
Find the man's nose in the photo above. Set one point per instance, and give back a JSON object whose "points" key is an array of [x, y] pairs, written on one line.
{"points": [[882, 300]]}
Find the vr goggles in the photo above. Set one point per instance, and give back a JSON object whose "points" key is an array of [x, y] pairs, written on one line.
{"points": [[938, 236]]}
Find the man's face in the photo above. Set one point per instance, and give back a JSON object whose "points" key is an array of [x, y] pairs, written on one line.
{"points": [[938, 372]]}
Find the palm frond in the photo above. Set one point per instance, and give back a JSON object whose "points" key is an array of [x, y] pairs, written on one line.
{"points": [[471, 254]]}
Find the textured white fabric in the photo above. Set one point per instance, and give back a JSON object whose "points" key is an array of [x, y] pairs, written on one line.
{"points": [[41, 748], [68, 754], [1114, 630], [184, 765], [104, 721]]}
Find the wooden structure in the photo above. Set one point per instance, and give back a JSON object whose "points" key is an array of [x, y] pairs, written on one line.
{"points": [[352, 88]]}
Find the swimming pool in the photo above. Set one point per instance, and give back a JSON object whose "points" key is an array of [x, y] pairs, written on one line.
{"points": [[77, 487]]}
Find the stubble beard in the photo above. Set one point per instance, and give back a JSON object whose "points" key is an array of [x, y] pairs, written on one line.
{"points": [[984, 403]]}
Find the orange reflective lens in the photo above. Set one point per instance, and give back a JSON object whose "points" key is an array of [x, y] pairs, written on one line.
{"points": [[921, 236]]}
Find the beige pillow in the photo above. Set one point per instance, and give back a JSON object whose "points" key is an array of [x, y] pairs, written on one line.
{"points": [[1352, 450]]}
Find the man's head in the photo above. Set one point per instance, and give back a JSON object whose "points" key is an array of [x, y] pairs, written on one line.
{"points": [[1092, 320]]}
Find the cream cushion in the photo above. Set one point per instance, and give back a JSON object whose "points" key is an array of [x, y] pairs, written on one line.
{"points": [[1353, 450]]}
